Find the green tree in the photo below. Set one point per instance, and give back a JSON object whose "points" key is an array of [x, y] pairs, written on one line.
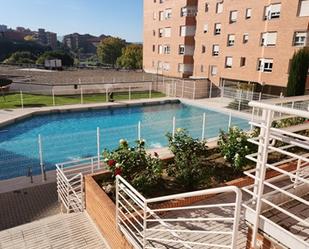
{"points": [[298, 73], [110, 49], [132, 57], [23, 57], [65, 57]]}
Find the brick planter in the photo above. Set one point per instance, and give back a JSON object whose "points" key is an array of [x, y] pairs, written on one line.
{"points": [[102, 211]]}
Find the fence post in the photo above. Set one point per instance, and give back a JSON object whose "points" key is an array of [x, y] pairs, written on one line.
{"points": [[98, 146], [194, 88], [239, 101], [41, 158], [92, 166], [53, 93], [222, 88], [210, 89], [81, 96], [174, 126], [129, 92], [139, 130], [106, 89], [183, 88], [21, 100], [175, 89], [230, 120], [252, 118], [204, 126], [260, 96], [150, 87]]}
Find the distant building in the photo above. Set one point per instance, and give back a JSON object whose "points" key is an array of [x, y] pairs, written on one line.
{"points": [[47, 38], [86, 43], [3, 28]]}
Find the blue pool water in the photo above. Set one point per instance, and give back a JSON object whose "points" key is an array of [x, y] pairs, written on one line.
{"points": [[73, 135]]}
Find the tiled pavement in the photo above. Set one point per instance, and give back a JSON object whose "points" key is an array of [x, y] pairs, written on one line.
{"points": [[27, 205]]}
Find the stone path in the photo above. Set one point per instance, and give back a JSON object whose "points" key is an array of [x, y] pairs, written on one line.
{"points": [[27, 205], [69, 231]]}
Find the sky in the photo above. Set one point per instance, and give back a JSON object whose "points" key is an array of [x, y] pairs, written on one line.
{"points": [[122, 18]]}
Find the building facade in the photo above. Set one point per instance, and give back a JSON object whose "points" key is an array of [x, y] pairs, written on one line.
{"points": [[250, 41]]}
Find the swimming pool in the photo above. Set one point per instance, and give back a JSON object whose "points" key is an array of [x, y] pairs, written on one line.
{"points": [[72, 135]]}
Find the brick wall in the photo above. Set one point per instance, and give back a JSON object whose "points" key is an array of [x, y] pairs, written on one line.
{"points": [[101, 209]]}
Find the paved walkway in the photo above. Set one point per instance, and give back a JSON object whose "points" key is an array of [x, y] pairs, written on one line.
{"points": [[67, 231], [27, 205]]}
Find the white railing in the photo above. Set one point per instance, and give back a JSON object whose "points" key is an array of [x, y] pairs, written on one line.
{"points": [[272, 194], [146, 224], [70, 191]]}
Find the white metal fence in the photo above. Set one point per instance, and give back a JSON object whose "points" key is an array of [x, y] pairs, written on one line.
{"points": [[279, 205], [148, 226]]}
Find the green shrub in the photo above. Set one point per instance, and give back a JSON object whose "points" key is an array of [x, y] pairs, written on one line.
{"points": [[135, 165], [234, 146], [189, 158]]}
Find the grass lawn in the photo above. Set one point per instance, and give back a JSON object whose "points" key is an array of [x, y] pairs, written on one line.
{"points": [[32, 100]]}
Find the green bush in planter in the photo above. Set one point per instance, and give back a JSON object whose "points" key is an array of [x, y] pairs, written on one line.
{"points": [[135, 165], [234, 147], [189, 158]]}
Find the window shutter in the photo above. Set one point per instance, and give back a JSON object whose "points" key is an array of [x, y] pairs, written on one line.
{"points": [[304, 8]]}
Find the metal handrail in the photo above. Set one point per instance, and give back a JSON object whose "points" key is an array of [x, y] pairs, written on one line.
{"points": [[132, 206]]}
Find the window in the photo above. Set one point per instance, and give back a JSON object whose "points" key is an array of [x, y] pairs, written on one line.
{"points": [[206, 7], [269, 39], [167, 32], [265, 65], [181, 67], [160, 49], [205, 28], [182, 49], [161, 15], [215, 50], [162, 1], [248, 13], [230, 40], [272, 11], [242, 61], [182, 30], [166, 66], [300, 39], [219, 8], [245, 38], [161, 32], [187, 30], [153, 48], [154, 33], [233, 16], [188, 11], [202, 68], [303, 8], [228, 62], [167, 49], [203, 49], [217, 28], [168, 14], [214, 70]]}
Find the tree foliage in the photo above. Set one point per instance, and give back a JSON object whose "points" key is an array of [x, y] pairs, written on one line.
{"points": [[23, 57], [65, 57], [110, 49], [132, 57], [298, 73]]}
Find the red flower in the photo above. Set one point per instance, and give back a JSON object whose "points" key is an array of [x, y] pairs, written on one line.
{"points": [[118, 171], [111, 163]]}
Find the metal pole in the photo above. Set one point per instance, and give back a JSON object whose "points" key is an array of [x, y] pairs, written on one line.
{"points": [[81, 96], [106, 95], [92, 166], [252, 117], [260, 96], [150, 87], [210, 89], [129, 92], [53, 93], [21, 100], [183, 88], [117, 202], [194, 89], [98, 146], [239, 101], [174, 126], [41, 158], [203, 127], [139, 130], [230, 120]]}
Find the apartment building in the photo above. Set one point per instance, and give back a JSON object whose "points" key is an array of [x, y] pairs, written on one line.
{"points": [[250, 41]]}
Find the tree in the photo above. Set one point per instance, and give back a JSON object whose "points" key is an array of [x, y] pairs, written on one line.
{"points": [[23, 57], [132, 57], [65, 57], [110, 49], [298, 73]]}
